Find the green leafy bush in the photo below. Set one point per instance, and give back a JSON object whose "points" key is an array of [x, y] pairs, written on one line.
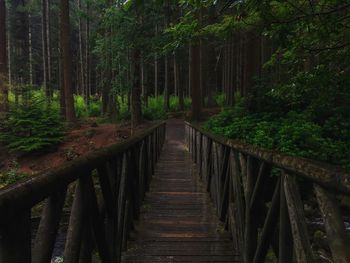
{"points": [[32, 126], [220, 99], [11, 176], [155, 109], [81, 111], [294, 134], [94, 108]]}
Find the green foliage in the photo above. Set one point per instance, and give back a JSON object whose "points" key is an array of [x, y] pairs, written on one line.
{"points": [[11, 176], [58, 260], [94, 108], [154, 109], [295, 134], [124, 112], [220, 99], [33, 125], [81, 110]]}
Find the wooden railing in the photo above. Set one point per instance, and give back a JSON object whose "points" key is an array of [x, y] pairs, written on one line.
{"points": [[265, 198], [102, 193]]}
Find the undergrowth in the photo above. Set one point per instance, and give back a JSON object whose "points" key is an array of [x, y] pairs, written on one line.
{"points": [[295, 133]]}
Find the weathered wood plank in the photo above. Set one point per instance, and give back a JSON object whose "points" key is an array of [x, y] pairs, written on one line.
{"points": [[15, 239], [176, 223], [285, 253], [48, 227], [334, 224], [75, 228], [302, 246], [269, 227]]}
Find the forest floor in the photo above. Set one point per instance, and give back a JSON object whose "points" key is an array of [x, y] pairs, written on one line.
{"points": [[87, 138]]}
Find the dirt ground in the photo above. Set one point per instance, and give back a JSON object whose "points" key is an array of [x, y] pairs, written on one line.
{"points": [[87, 138]]}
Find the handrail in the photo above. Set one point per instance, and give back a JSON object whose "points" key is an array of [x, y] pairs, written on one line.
{"points": [[123, 172], [266, 212], [331, 177]]}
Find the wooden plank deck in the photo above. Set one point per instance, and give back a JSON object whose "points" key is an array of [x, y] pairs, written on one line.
{"points": [[178, 223]]}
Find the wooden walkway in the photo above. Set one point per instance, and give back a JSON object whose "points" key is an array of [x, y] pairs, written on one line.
{"points": [[178, 224]]}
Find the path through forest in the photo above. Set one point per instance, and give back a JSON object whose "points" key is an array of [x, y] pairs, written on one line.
{"points": [[178, 224]]}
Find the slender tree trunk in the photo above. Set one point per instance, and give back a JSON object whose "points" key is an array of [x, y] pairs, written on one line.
{"points": [[166, 61], [136, 114], [9, 60], [48, 48], [61, 84], [87, 57], [182, 79], [155, 75], [30, 46], [203, 69], [3, 60], [81, 57], [67, 62], [44, 49], [176, 83], [166, 83], [195, 81]]}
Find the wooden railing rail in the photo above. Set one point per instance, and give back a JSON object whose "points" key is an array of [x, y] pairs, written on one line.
{"points": [[265, 198], [102, 192]]}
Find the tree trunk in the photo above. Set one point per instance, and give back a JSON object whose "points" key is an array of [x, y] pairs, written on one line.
{"points": [[87, 57], [166, 83], [3, 60], [81, 57], [155, 75], [182, 81], [67, 62], [175, 76], [195, 81], [30, 46], [44, 49], [9, 60], [48, 48], [136, 114], [166, 60]]}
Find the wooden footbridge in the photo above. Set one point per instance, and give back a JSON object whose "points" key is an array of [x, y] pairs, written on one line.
{"points": [[176, 193]]}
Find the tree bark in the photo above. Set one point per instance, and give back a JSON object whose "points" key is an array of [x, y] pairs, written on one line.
{"points": [[195, 80], [30, 46], [182, 81], [81, 57], [3, 60], [44, 49], [87, 57], [48, 48], [67, 63], [166, 83], [167, 61], [136, 114]]}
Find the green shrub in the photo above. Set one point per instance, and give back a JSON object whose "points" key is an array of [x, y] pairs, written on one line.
{"points": [[32, 126], [81, 111], [11, 176], [294, 134], [187, 103], [94, 109], [155, 109], [174, 104], [124, 112], [220, 99]]}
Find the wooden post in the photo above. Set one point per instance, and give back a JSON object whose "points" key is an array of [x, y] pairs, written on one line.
{"points": [[334, 224], [75, 228], [285, 254], [302, 246], [15, 239], [49, 224]]}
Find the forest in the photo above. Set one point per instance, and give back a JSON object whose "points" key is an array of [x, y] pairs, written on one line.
{"points": [[274, 74]]}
